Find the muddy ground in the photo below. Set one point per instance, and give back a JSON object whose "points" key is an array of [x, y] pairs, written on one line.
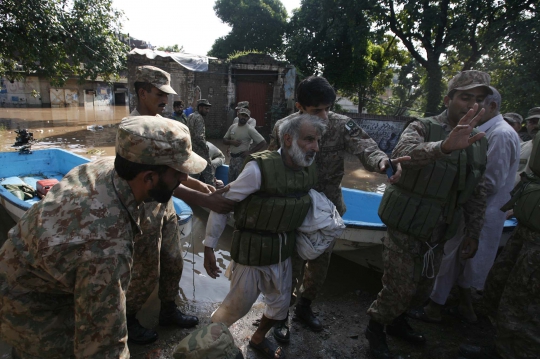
{"points": [[347, 293]]}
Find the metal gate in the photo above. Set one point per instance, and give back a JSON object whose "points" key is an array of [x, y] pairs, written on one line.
{"points": [[57, 98], [255, 93]]}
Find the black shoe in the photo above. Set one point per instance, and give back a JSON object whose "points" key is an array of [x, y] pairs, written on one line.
{"points": [[377, 344], [138, 334], [281, 332], [401, 328], [305, 314], [475, 352], [171, 315]]}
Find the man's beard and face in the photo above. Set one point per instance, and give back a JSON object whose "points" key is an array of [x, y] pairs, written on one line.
{"points": [[161, 193], [178, 110], [203, 110], [242, 120], [299, 157]]}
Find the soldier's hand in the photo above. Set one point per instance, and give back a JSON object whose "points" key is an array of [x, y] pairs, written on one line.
{"points": [[217, 203], [210, 263], [459, 138], [469, 248], [383, 165]]}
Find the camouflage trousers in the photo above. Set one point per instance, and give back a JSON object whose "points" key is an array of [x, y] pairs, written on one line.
{"points": [[515, 281], [157, 258], [406, 281], [309, 275], [207, 176], [235, 167]]}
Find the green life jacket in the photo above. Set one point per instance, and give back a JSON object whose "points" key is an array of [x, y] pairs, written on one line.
{"points": [[534, 162], [266, 221], [526, 195], [414, 205]]}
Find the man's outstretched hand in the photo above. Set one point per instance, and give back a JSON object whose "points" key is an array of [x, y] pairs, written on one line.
{"points": [[460, 138]]}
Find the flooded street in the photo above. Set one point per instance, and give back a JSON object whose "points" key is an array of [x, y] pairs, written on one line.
{"points": [[348, 291]]}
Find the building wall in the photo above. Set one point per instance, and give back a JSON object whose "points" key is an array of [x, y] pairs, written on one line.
{"points": [[24, 93], [218, 86]]}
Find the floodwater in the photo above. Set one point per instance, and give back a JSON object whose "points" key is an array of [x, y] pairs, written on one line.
{"points": [[91, 133]]}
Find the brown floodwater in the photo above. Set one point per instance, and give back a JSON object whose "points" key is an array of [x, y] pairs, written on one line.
{"points": [[91, 133]]}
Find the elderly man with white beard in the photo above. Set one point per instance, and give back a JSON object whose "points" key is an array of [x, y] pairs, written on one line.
{"points": [[272, 195]]}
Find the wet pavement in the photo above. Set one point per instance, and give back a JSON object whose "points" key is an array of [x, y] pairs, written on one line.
{"points": [[347, 293]]}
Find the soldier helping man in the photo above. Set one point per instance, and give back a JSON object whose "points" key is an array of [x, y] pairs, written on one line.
{"points": [[315, 96], [67, 264], [157, 244], [273, 200], [442, 185]]}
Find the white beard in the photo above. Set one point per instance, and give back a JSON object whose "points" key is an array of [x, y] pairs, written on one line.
{"points": [[299, 157]]}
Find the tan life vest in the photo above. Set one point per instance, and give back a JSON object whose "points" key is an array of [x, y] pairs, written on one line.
{"points": [[416, 203], [266, 221]]}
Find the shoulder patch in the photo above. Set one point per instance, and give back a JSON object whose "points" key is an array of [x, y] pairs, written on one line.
{"points": [[353, 128]]}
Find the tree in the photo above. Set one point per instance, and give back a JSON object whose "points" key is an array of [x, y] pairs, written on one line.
{"points": [[174, 48], [256, 25], [335, 38], [59, 38], [429, 29]]}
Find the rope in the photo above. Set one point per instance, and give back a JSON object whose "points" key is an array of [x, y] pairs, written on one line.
{"points": [[429, 258]]}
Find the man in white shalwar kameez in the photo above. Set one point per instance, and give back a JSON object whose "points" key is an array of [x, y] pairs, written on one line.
{"points": [[502, 163], [284, 178]]}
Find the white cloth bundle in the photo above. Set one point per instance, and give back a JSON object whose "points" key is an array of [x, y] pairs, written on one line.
{"points": [[320, 228]]}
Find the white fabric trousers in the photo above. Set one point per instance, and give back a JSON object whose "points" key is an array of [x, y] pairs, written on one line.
{"points": [[247, 282]]}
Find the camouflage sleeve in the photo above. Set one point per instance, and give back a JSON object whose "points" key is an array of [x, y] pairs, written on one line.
{"points": [[100, 308], [411, 143], [274, 139], [358, 143], [474, 210], [198, 137], [171, 259]]}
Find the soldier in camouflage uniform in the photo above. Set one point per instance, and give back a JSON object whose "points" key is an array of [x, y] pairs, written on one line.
{"points": [[426, 206], [195, 123], [213, 341], [315, 96], [157, 256], [67, 264], [178, 114], [513, 285]]}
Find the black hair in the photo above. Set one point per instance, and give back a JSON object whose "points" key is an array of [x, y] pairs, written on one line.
{"points": [[129, 170], [178, 103], [147, 86], [315, 91]]}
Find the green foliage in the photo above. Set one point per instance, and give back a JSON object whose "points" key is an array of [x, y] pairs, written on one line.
{"points": [[174, 48], [58, 38], [335, 38], [467, 28], [256, 24], [237, 54]]}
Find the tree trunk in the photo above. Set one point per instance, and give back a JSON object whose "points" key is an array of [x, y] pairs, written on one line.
{"points": [[434, 89]]}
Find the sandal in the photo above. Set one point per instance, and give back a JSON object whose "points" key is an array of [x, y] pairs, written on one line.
{"points": [[420, 314], [454, 312], [269, 349]]}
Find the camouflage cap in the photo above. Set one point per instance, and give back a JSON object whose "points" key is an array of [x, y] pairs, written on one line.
{"points": [[213, 341], [469, 79], [244, 110], [203, 102], [513, 117], [157, 77], [242, 104], [156, 140], [533, 113]]}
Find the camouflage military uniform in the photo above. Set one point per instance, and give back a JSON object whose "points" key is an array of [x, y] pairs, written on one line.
{"points": [[180, 118], [65, 268], [195, 123], [403, 283], [210, 342], [330, 168], [157, 257]]}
